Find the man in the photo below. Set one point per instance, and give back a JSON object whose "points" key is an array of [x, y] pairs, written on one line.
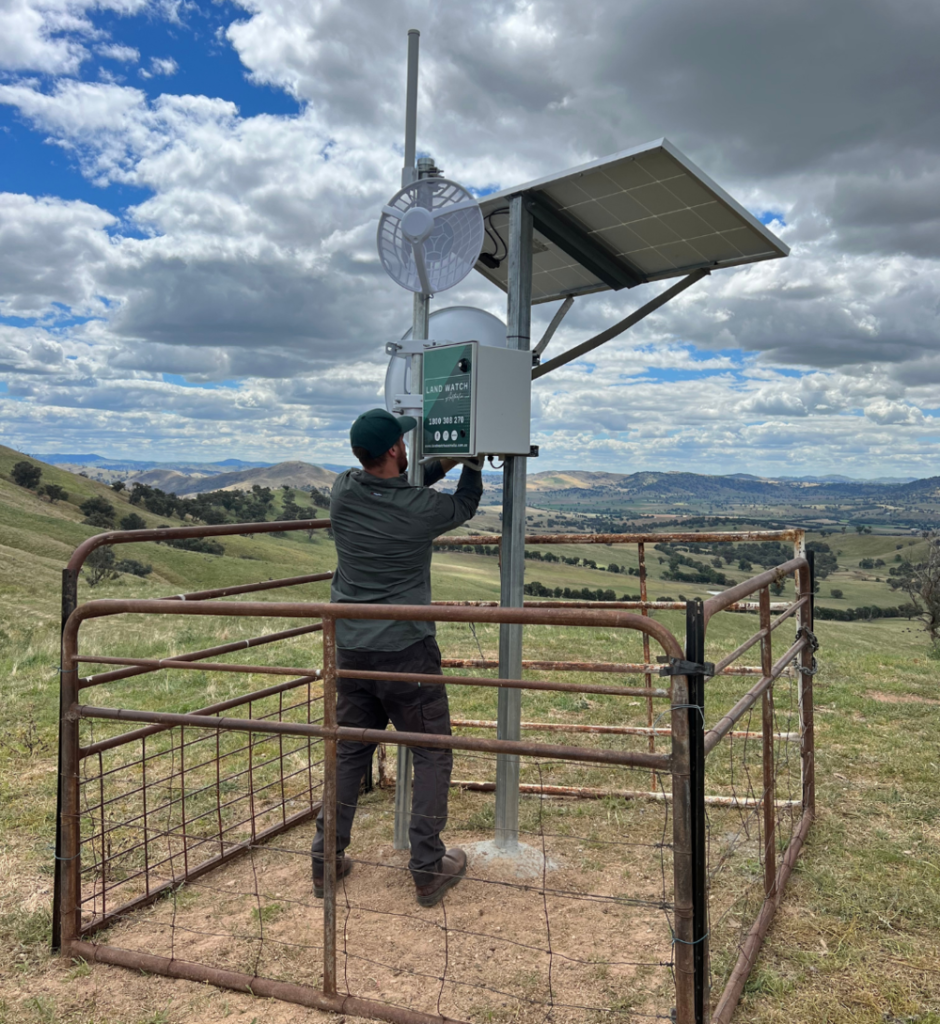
{"points": [[383, 527]]}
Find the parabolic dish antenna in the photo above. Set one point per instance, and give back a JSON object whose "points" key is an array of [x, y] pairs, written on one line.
{"points": [[430, 235], [456, 323]]}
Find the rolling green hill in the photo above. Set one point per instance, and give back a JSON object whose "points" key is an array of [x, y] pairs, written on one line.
{"points": [[866, 891]]}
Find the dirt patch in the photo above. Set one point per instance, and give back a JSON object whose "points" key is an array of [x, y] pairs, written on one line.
{"points": [[899, 698], [590, 935]]}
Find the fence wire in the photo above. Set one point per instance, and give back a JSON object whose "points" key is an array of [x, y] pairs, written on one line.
{"points": [[577, 929]]}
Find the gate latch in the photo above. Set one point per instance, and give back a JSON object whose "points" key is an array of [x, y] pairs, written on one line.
{"points": [[678, 667]]}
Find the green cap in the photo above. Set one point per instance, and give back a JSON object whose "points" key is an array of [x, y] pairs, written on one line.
{"points": [[377, 430]]}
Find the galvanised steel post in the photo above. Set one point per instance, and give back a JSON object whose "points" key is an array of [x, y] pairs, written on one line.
{"points": [[512, 568], [695, 652], [69, 604], [404, 769]]}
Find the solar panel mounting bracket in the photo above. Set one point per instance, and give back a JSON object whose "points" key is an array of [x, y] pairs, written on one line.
{"points": [[571, 238]]}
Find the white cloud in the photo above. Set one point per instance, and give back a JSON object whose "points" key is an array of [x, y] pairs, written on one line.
{"points": [[160, 66], [253, 257], [50, 36], [117, 51]]}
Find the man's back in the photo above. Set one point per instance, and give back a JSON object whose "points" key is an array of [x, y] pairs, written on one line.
{"points": [[383, 530]]}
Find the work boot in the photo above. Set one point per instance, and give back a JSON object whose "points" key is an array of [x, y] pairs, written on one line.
{"points": [[344, 865], [453, 868]]}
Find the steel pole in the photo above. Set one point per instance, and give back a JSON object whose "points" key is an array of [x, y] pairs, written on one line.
{"points": [[404, 769], [409, 173], [512, 563]]}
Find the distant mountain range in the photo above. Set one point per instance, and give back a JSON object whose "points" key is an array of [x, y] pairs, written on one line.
{"points": [[133, 466], [734, 488], [91, 461], [571, 488]]}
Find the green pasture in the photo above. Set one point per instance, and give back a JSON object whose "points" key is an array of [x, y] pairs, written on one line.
{"points": [[856, 940]]}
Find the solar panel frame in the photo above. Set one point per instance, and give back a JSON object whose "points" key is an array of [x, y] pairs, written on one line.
{"points": [[649, 208]]}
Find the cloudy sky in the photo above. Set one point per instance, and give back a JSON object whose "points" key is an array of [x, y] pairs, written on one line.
{"points": [[189, 193]]}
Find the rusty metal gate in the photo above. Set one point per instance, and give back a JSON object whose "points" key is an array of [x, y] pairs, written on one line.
{"points": [[183, 793]]}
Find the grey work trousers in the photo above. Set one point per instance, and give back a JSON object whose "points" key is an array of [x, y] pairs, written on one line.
{"points": [[411, 707]]}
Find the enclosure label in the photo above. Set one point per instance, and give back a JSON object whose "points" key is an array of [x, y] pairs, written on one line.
{"points": [[448, 399]]}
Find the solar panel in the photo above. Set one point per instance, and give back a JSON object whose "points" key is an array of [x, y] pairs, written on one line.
{"points": [[641, 215]]}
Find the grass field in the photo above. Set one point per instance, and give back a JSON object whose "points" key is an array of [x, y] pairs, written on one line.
{"points": [[857, 939]]}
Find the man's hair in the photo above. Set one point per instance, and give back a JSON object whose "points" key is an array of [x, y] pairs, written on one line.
{"points": [[368, 462]]}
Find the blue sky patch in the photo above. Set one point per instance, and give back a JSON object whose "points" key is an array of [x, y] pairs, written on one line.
{"points": [[206, 64], [18, 321], [175, 378]]}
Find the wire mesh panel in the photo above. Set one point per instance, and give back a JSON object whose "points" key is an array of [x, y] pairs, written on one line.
{"points": [[160, 805]]}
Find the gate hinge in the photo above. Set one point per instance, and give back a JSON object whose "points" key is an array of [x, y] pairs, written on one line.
{"points": [[678, 667]]}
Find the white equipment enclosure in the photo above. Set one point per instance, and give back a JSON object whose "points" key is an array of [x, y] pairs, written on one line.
{"points": [[476, 400]]}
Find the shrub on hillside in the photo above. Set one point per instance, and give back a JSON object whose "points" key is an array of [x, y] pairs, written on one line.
{"points": [[132, 567], [132, 521], [26, 474], [207, 547], [99, 566], [54, 493], [98, 512]]}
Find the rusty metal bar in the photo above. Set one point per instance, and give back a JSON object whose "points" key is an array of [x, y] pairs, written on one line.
{"points": [[301, 995], [767, 745], [755, 937], [249, 588], [807, 666], [623, 668], [84, 549], [627, 538], [613, 730], [661, 606], [648, 678], [737, 593], [588, 793], [68, 605], [68, 864], [661, 762], [209, 652], [279, 670], [329, 808], [211, 709], [724, 724], [417, 613], [721, 667], [515, 684], [791, 610], [205, 666]]}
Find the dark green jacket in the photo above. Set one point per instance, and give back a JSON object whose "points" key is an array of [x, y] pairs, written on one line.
{"points": [[383, 531]]}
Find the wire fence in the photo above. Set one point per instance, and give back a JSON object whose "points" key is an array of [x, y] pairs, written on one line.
{"points": [[643, 885]]}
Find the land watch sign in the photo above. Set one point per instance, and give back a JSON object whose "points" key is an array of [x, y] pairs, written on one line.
{"points": [[448, 399]]}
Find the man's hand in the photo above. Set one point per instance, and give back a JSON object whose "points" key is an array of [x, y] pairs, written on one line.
{"points": [[476, 464]]}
